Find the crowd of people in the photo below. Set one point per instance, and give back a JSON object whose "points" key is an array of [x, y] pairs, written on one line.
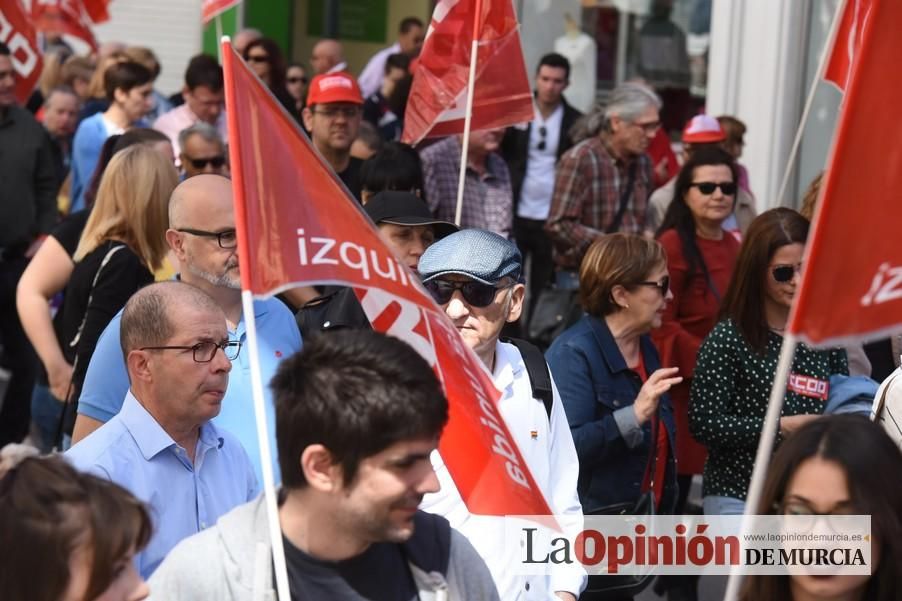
{"points": [[626, 300]]}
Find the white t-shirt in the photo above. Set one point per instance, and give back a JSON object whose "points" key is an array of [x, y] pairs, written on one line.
{"points": [[538, 184]]}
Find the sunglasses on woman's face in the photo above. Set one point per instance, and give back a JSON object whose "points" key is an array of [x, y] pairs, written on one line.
{"points": [[663, 285], [728, 188], [258, 58], [476, 294], [783, 274]]}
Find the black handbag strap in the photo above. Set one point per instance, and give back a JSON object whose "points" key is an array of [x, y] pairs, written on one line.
{"points": [[624, 199]]}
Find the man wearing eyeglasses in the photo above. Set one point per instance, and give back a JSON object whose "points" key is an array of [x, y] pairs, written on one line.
{"points": [[603, 183], [203, 151], [475, 276], [332, 116], [162, 446], [202, 237]]}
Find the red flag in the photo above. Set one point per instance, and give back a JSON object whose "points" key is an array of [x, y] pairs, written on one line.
{"points": [[297, 224], [17, 32], [98, 10], [210, 9], [502, 94], [63, 17], [853, 22], [852, 283]]}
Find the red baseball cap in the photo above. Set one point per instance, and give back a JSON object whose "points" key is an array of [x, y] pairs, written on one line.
{"points": [[703, 129], [334, 87]]}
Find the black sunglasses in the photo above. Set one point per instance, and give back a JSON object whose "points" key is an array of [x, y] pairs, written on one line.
{"points": [[256, 58], [784, 273], [475, 294], [728, 188], [542, 132], [663, 285], [296, 80], [217, 162]]}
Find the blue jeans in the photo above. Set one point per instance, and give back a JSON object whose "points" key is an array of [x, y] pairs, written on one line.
{"points": [[45, 414], [714, 505]]}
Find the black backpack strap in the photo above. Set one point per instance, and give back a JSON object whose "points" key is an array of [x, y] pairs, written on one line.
{"points": [[537, 370], [429, 548]]}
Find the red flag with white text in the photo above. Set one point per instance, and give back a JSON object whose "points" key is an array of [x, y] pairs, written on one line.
{"points": [[853, 21], [210, 9], [67, 17], [296, 224], [17, 32], [502, 94], [852, 282]]}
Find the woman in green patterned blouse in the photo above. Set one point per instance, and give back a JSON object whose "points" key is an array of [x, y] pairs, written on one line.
{"points": [[738, 359]]}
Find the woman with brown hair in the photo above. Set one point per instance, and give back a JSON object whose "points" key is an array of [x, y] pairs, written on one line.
{"points": [[68, 536], [737, 361], [265, 58], [837, 465]]}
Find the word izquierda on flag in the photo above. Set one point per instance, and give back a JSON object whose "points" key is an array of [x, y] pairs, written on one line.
{"points": [[695, 545]]}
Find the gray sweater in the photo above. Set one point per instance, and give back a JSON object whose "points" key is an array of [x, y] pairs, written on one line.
{"points": [[232, 562]]}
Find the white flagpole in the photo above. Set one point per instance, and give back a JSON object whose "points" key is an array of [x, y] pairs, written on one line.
{"points": [[765, 449], [269, 489], [809, 102], [218, 20], [465, 143]]}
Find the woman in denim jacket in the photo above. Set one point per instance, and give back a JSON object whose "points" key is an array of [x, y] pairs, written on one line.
{"points": [[610, 379]]}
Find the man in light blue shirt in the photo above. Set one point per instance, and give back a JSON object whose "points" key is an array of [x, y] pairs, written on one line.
{"points": [[202, 237], [162, 446]]}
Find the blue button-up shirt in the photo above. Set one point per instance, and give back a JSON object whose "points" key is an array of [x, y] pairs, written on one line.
{"points": [[134, 451]]}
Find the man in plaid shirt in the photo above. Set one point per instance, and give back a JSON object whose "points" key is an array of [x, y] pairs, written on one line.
{"points": [[593, 175]]}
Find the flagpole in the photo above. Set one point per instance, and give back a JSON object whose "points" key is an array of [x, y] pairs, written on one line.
{"points": [[218, 20], [765, 450], [247, 308], [468, 115], [809, 102]]}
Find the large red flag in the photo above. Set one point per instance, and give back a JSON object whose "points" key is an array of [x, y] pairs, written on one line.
{"points": [[17, 32], [852, 283], [297, 225], [502, 95], [853, 22], [64, 17]]}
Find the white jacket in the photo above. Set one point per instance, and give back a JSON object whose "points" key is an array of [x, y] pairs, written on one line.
{"points": [[547, 448]]}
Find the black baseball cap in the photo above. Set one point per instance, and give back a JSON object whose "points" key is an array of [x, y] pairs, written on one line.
{"points": [[405, 208]]}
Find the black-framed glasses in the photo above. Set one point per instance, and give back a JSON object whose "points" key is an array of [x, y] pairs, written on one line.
{"points": [[203, 352], [258, 58], [728, 188], [476, 294], [225, 239], [543, 133], [218, 161], [331, 112], [783, 274], [663, 285], [296, 80]]}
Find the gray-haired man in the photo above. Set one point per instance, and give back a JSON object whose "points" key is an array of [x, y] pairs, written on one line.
{"points": [[203, 151], [603, 183]]}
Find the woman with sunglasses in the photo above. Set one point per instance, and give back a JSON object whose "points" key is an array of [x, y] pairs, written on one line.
{"points": [[296, 84], [610, 379], [837, 465], [265, 58], [737, 361]]}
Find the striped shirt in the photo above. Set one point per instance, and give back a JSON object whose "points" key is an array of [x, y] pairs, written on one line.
{"points": [[586, 197]]}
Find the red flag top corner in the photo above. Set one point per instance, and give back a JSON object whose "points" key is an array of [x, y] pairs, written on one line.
{"points": [[502, 95], [851, 286], [297, 224], [210, 9], [69, 17], [851, 30], [18, 33]]}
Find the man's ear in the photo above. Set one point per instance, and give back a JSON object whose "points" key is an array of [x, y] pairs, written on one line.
{"points": [[176, 242], [307, 116], [320, 470], [516, 303], [138, 365]]}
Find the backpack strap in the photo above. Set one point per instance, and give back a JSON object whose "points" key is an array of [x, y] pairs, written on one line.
{"points": [[429, 548], [537, 370]]}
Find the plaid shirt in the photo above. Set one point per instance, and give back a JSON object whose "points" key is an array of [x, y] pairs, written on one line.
{"points": [[488, 198], [586, 198]]}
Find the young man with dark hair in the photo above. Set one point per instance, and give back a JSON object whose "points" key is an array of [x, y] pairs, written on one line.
{"points": [[27, 211], [396, 167], [411, 33], [129, 88], [357, 415], [204, 98], [531, 152], [385, 107]]}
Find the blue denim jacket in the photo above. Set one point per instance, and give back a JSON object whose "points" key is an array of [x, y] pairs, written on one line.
{"points": [[598, 391]]}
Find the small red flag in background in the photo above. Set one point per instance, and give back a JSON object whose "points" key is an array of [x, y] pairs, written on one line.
{"points": [[296, 224], [502, 94], [17, 32], [211, 8], [852, 283], [64, 17], [853, 21]]}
